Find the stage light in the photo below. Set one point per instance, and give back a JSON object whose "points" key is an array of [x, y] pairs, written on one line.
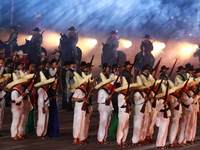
{"points": [[29, 37], [91, 43], [187, 50], [127, 44], [158, 47]]}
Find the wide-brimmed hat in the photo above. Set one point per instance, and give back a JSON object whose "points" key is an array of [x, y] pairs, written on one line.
{"points": [[66, 63], [74, 85], [153, 80], [104, 65], [163, 67], [72, 62], [14, 28], [36, 29], [18, 63], [140, 85], [124, 85], [53, 60], [194, 82], [191, 68], [114, 32], [180, 68], [127, 63], [147, 36], [83, 63], [173, 87], [197, 70], [4, 77], [145, 67], [80, 79], [20, 52], [72, 28], [16, 81], [163, 87], [104, 80], [187, 65], [43, 80], [183, 82], [22, 75], [115, 66]]}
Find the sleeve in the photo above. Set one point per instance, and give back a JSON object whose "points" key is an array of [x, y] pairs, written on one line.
{"points": [[14, 96], [142, 46], [121, 100], [40, 98], [138, 99], [76, 40], [12, 38], [116, 43], [173, 101], [40, 40], [186, 100], [160, 105], [151, 46], [101, 96], [77, 93]]}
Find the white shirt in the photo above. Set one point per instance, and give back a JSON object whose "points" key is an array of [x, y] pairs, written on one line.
{"points": [[102, 95], [42, 96]]}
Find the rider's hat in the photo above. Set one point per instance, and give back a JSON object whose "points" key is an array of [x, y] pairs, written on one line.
{"points": [[147, 36], [36, 29], [72, 28]]}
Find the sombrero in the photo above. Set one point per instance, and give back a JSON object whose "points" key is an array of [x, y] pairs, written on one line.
{"points": [[74, 85], [43, 80], [104, 81], [124, 85], [4, 77], [139, 85], [80, 80], [196, 80], [22, 75], [16, 81], [153, 80], [20, 52]]}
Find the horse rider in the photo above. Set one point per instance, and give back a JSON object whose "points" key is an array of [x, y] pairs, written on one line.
{"points": [[73, 38], [12, 41], [113, 42], [37, 39]]}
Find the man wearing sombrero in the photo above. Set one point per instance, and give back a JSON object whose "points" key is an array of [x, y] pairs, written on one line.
{"points": [[37, 39], [17, 104], [113, 41], [2, 66], [79, 113], [104, 69], [105, 111], [43, 103], [18, 66], [21, 58], [2, 99]]}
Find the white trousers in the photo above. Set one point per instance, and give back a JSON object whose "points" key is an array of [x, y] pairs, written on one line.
{"points": [[25, 112], [123, 126], [144, 126], [2, 106], [162, 132], [104, 122], [184, 126], [192, 127], [79, 121], [174, 125], [152, 121], [16, 116], [87, 123], [42, 122], [137, 127]]}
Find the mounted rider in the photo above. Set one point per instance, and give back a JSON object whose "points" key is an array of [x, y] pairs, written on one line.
{"points": [[73, 38], [12, 41], [37, 40], [113, 41], [146, 46]]}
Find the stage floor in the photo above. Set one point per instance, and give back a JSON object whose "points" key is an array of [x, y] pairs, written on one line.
{"points": [[65, 140]]}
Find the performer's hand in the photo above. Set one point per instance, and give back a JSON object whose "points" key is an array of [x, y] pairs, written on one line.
{"points": [[193, 96], [43, 110], [23, 94], [4, 88], [146, 98], [69, 88], [179, 100], [85, 99], [109, 97], [127, 97], [165, 103]]}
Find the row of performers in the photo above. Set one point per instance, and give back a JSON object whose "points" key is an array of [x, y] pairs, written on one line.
{"points": [[174, 110]]}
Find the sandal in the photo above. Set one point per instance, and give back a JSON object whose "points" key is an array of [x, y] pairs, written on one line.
{"points": [[195, 142], [106, 143], [15, 138], [136, 144], [100, 143]]}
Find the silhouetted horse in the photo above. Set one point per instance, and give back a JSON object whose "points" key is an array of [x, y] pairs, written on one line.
{"points": [[68, 53], [141, 60], [109, 56], [6, 47]]}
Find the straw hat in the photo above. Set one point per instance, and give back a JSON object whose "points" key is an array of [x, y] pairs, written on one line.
{"points": [[22, 75], [124, 85], [74, 85], [16, 81], [43, 80], [153, 80], [196, 80], [20, 52], [182, 82], [163, 91], [80, 80], [140, 85], [104, 81], [4, 77], [84, 75]]}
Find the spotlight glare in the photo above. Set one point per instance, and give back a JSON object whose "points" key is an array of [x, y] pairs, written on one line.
{"points": [[158, 47], [91, 43], [127, 44], [29, 38]]}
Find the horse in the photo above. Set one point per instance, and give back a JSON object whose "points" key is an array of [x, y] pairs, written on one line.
{"points": [[32, 51], [68, 53], [140, 60], [7, 48], [109, 56]]}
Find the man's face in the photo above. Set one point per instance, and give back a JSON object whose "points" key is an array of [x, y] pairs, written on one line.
{"points": [[72, 65], [191, 72], [72, 31], [37, 33], [21, 56], [164, 71], [107, 85], [83, 68], [54, 64], [113, 35], [47, 65], [198, 74], [12, 31], [182, 71], [20, 66], [128, 66], [1, 61], [146, 39]]}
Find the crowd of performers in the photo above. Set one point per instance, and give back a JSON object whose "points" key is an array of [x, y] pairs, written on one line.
{"points": [[170, 104]]}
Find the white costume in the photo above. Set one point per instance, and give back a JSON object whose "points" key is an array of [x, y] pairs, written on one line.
{"points": [[123, 126], [175, 117], [2, 105], [16, 108], [162, 123], [105, 115], [43, 118], [79, 116]]}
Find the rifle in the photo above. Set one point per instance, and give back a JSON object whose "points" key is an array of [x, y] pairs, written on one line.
{"points": [[127, 104], [132, 65], [166, 98], [87, 96], [172, 69], [35, 41], [148, 94], [156, 67], [91, 62], [29, 83], [111, 91], [181, 93]]}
